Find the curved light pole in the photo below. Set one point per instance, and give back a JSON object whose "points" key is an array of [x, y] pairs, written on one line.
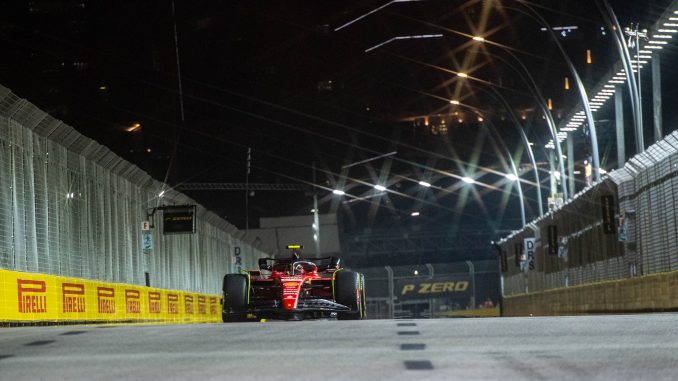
{"points": [[497, 138], [532, 86], [611, 19], [375, 10], [580, 85], [497, 95], [534, 90]]}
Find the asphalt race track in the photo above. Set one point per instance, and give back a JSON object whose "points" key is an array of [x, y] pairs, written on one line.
{"points": [[631, 347]]}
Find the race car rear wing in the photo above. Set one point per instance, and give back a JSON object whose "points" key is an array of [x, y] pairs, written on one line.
{"points": [[323, 264]]}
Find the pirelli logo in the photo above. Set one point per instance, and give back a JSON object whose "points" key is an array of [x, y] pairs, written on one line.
{"points": [[32, 296], [432, 288], [133, 301], [213, 305], [73, 297], [106, 300], [52, 298], [188, 304], [435, 288], [173, 303], [202, 305], [154, 302]]}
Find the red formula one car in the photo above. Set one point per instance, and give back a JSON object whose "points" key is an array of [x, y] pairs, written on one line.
{"points": [[294, 288]]}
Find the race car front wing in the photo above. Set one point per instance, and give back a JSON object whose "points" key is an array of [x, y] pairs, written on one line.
{"points": [[303, 305]]}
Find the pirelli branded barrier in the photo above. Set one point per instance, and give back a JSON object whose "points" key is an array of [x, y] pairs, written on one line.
{"points": [[27, 297], [436, 287]]}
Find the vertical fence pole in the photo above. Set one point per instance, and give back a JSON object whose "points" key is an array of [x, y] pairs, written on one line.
{"points": [[619, 124], [472, 275], [391, 297], [657, 97]]}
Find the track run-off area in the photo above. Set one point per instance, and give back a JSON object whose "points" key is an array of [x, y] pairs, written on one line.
{"points": [[609, 347]]}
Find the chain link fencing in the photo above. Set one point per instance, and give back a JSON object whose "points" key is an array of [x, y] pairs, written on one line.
{"points": [[624, 226], [70, 206], [396, 292]]}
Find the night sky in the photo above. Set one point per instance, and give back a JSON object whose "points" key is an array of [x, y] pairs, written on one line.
{"points": [[275, 76]]}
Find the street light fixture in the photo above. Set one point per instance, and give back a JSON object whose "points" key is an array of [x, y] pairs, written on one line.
{"points": [[501, 142], [533, 14], [380, 188], [424, 184], [499, 139], [493, 132], [454, 102], [339, 192], [511, 177], [134, 127], [532, 86]]}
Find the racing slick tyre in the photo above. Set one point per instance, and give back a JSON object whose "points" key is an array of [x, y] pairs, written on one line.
{"points": [[235, 298], [348, 291]]}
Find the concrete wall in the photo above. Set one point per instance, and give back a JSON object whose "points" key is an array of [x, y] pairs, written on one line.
{"points": [[655, 292], [616, 243]]}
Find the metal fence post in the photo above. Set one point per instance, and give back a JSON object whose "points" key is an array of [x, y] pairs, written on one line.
{"points": [[471, 273], [430, 300], [389, 271]]}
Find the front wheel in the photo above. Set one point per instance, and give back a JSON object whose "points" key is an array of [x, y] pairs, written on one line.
{"points": [[235, 298], [348, 291]]}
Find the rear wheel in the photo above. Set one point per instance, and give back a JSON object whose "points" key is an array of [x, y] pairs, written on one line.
{"points": [[235, 298], [348, 291]]}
